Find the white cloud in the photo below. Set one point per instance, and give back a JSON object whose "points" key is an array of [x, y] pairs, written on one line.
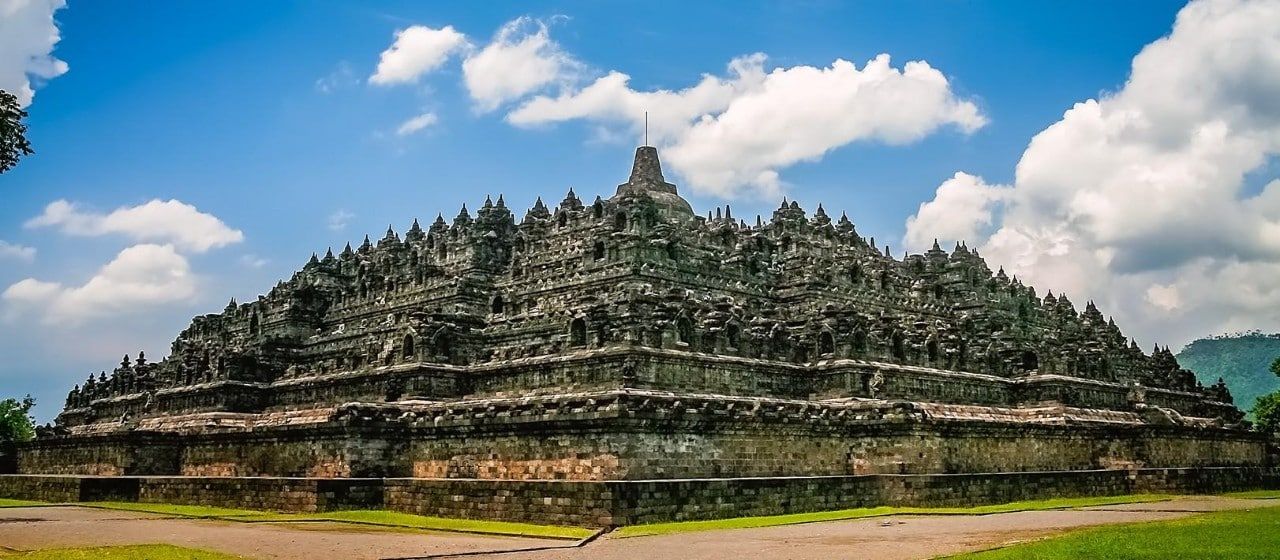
{"points": [[727, 135], [962, 210], [15, 251], [138, 279], [253, 261], [521, 59], [342, 75], [28, 34], [339, 219], [1139, 198], [416, 124], [417, 50], [165, 221]]}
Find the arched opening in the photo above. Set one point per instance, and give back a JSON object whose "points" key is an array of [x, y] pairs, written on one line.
{"points": [[597, 251], [937, 292], [597, 210], [786, 244], [442, 345], [406, 347], [826, 344], [899, 345], [931, 348], [253, 324], [620, 221], [442, 252], [733, 336], [1030, 361], [673, 252], [563, 220], [860, 340], [497, 305], [855, 274], [684, 330], [885, 281], [519, 244], [578, 332]]}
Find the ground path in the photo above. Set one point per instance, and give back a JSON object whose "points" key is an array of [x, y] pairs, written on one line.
{"points": [[894, 537]]}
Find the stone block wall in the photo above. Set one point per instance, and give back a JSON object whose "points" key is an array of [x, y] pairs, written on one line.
{"points": [[136, 453], [328, 452], [583, 503], [41, 488], [623, 502], [307, 495]]}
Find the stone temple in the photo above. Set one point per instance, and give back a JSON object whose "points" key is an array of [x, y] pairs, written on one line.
{"points": [[626, 360]]}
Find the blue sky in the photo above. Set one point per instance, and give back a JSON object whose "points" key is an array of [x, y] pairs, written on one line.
{"points": [[263, 116]]}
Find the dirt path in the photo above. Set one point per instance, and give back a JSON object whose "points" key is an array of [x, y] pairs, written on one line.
{"points": [[49, 527], [884, 538]]}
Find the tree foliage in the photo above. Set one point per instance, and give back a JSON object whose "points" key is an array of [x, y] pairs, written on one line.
{"points": [[13, 132], [1266, 413], [16, 423]]}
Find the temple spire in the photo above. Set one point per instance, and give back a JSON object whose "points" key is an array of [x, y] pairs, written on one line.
{"points": [[646, 168]]}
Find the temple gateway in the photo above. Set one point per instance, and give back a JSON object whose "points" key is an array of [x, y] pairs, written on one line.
{"points": [[626, 360]]}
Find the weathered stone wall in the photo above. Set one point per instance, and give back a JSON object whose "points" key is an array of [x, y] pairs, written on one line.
{"points": [[627, 436], [550, 502], [113, 455], [278, 494], [617, 502], [41, 487], [332, 452]]}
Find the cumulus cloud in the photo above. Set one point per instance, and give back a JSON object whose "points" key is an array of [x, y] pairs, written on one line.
{"points": [[137, 279], [726, 135], [15, 251], [416, 124], [417, 50], [1141, 197], [28, 34], [521, 59], [962, 209], [165, 221]]}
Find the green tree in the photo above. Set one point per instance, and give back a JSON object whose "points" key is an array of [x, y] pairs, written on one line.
{"points": [[16, 423], [13, 132], [1266, 412]]}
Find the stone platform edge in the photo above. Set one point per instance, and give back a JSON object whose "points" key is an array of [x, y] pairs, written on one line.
{"points": [[629, 502]]}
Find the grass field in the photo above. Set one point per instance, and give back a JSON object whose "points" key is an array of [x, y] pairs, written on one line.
{"points": [[1238, 535], [791, 519], [5, 502], [140, 552], [1255, 494], [363, 517]]}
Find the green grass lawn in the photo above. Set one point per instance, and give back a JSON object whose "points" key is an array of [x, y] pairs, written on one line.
{"points": [[363, 517], [174, 509], [791, 519], [1255, 494], [1238, 535], [140, 552], [406, 520], [5, 502]]}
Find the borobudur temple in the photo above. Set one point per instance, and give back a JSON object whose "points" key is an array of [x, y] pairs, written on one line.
{"points": [[626, 361]]}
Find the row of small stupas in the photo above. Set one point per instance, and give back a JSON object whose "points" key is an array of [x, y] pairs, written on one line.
{"points": [[642, 269]]}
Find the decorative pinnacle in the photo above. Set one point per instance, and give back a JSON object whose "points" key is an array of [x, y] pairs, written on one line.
{"points": [[646, 168]]}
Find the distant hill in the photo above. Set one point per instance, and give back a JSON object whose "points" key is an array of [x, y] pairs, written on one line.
{"points": [[1241, 359]]}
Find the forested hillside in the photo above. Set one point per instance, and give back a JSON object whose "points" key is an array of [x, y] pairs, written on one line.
{"points": [[1242, 360]]}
